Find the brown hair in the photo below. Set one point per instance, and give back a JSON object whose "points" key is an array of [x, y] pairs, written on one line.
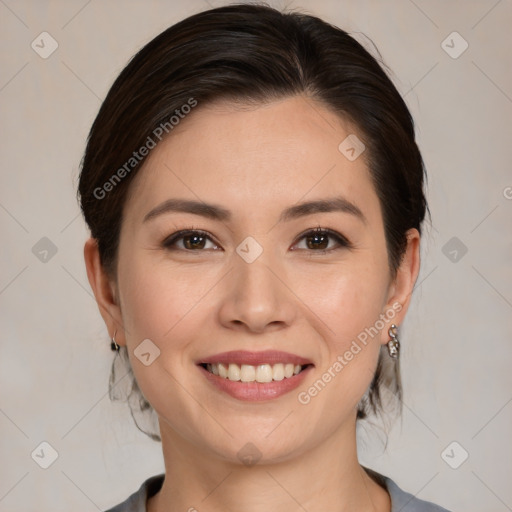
{"points": [[254, 53]]}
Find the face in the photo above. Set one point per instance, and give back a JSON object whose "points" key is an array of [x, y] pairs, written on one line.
{"points": [[251, 245]]}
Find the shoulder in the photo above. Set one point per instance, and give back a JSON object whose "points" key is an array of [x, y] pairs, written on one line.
{"points": [[406, 502], [402, 501], [137, 501]]}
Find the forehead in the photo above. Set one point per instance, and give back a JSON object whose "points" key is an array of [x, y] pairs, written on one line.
{"points": [[253, 156]]}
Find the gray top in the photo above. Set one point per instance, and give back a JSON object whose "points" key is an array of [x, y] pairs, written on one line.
{"points": [[401, 501]]}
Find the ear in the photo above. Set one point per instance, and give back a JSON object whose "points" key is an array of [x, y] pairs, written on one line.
{"points": [[400, 290], [104, 289]]}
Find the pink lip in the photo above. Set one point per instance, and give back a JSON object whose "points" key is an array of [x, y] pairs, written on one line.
{"points": [[256, 391], [240, 357]]}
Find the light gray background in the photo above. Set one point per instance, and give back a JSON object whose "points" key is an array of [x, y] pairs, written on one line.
{"points": [[55, 355]]}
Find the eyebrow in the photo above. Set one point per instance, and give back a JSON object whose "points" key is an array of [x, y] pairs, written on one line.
{"points": [[216, 212]]}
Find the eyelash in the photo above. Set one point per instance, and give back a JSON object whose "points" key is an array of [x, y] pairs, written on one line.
{"points": [[179, 235]]}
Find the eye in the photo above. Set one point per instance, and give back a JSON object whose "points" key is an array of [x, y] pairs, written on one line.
{"points": [[318, 240], [189, 240]]}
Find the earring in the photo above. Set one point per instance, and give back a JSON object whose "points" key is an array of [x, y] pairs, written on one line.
{"points": [[113, 345], [393, 343]]}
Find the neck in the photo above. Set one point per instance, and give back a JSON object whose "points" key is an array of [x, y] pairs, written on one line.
{"points": [[328, 477]]}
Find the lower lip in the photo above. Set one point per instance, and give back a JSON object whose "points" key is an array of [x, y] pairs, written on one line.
{"points": [[256, 391]]}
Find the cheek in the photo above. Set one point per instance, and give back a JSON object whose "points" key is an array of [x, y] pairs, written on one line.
{"points": [[349, 302], [347, 298], [158, 297], [166, 306]]}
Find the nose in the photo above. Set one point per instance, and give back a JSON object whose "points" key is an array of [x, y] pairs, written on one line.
{"points": [[257, 297]]}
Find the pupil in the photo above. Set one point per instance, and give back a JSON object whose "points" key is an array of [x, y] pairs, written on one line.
{"points": [[197, 241], [317, 238]]}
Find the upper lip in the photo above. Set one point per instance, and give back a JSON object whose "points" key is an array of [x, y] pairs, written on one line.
{"points": [[241, 357]]}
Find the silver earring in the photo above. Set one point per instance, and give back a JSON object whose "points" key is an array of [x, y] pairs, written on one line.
{"points": [[393, 343], [113, 345]]}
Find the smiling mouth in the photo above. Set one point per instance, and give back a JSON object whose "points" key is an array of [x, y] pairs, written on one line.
{"points": [[261, 373]]}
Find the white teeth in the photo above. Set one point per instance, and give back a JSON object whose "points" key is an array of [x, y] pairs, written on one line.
{"points": [[264, 373], [278, 371], [234, 372], [288, 370], [248, 373], [223, 371]]}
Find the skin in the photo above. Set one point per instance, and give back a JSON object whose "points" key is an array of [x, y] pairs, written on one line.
{"points": [[193, 303]]}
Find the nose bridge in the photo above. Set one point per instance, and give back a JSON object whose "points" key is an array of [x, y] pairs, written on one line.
{"points": [[256, 284], [257, 297]]}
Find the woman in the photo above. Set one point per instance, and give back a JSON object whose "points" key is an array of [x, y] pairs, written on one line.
{"points": [[255, 199]]}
